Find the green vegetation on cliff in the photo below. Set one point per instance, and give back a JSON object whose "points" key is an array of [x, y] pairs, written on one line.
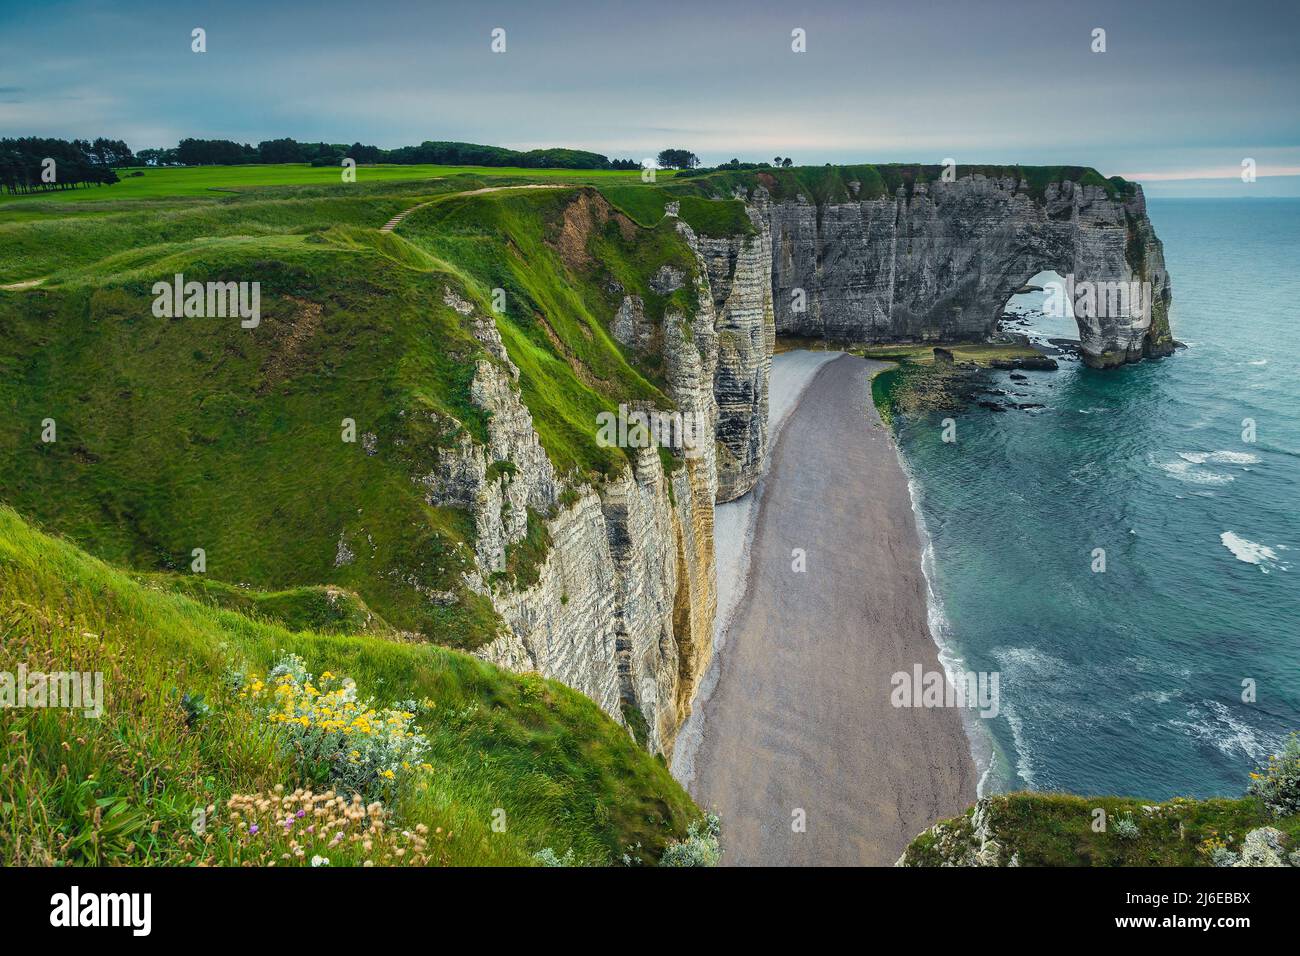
{"points": [[1049, 829], [646, 203], [565, 260], [836, 184], [177, 434], [1054, 829], [540, 761], [194, 433]]}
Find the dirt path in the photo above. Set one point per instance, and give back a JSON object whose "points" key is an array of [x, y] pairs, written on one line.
{"points": [[393, 223], [800, 723]]}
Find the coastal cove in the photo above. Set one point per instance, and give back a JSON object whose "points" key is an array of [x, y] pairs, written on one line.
{"points": [[1019, 505]]}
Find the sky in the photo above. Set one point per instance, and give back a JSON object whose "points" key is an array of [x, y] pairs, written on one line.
{"points": [[1182, 95]]}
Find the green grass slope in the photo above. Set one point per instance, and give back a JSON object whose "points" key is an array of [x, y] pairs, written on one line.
{"points": [[324, 608], [192, 433], [564, 258], [50, 240], [540, 760], [1049, 829], [177, 434]]}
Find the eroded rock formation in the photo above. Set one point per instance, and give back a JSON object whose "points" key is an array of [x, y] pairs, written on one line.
{"points": [[938, 263], [739, 270]]}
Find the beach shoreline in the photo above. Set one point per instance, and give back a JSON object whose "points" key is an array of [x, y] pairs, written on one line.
{"points": [[733, 530], [796, 743]]}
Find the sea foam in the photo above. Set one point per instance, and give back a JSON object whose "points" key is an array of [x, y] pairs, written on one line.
{"points": [[1191, 473], [1219, 457], [1249, 551]]}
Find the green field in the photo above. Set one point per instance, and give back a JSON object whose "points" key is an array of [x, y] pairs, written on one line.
{"points": [[159, 183]]}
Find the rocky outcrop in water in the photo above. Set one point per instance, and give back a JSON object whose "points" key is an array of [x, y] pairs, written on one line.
{"points": [[939, 261]]}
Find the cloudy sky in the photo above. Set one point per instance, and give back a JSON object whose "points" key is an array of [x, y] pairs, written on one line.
{"points": [[1182, 94]]}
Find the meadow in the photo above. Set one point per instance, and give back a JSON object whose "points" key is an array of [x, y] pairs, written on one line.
{"points": [[168, 182]]}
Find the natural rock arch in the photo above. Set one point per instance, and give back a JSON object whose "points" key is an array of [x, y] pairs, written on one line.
{"points": [[938, 263]]}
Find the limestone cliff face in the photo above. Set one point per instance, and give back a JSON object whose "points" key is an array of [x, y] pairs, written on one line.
{"points": [[602, 617], [740, 277], [623, 605], [941, 262]]}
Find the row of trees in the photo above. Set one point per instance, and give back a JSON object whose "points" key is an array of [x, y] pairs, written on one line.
{"points": [[83, 161], [36, 164], [686, 160], [779, 162], [224, 152]]}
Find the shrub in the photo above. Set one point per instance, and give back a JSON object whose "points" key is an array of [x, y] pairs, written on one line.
{"points": [[700, 848], [330, 731], [549, 857], [1278, 784], [1125, 827]]}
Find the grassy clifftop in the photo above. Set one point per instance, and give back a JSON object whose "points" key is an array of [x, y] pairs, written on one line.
{"points": [[537, 759], [194, 433], [835, 184]]}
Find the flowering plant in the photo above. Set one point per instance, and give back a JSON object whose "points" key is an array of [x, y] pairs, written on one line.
{"points": [[323, 722], [304, 828], [1278, 784]]}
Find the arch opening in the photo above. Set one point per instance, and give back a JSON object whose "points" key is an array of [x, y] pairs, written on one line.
{"points": [[1044, 317]]}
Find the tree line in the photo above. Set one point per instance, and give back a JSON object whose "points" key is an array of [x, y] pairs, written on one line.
{"points": [[688, 162], [224, 152], [36, 164], [33, 164]]}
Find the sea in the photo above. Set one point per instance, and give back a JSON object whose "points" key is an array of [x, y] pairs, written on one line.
{"points": [[1126, 558]]}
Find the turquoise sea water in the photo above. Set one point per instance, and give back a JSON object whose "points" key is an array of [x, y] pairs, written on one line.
{"points": [[1130, 681]]}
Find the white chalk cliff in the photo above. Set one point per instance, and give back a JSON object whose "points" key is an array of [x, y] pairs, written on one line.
{"points": [[624, 603]]}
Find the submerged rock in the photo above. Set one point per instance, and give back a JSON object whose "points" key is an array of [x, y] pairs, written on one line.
{"points": [[1036, 363]]}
